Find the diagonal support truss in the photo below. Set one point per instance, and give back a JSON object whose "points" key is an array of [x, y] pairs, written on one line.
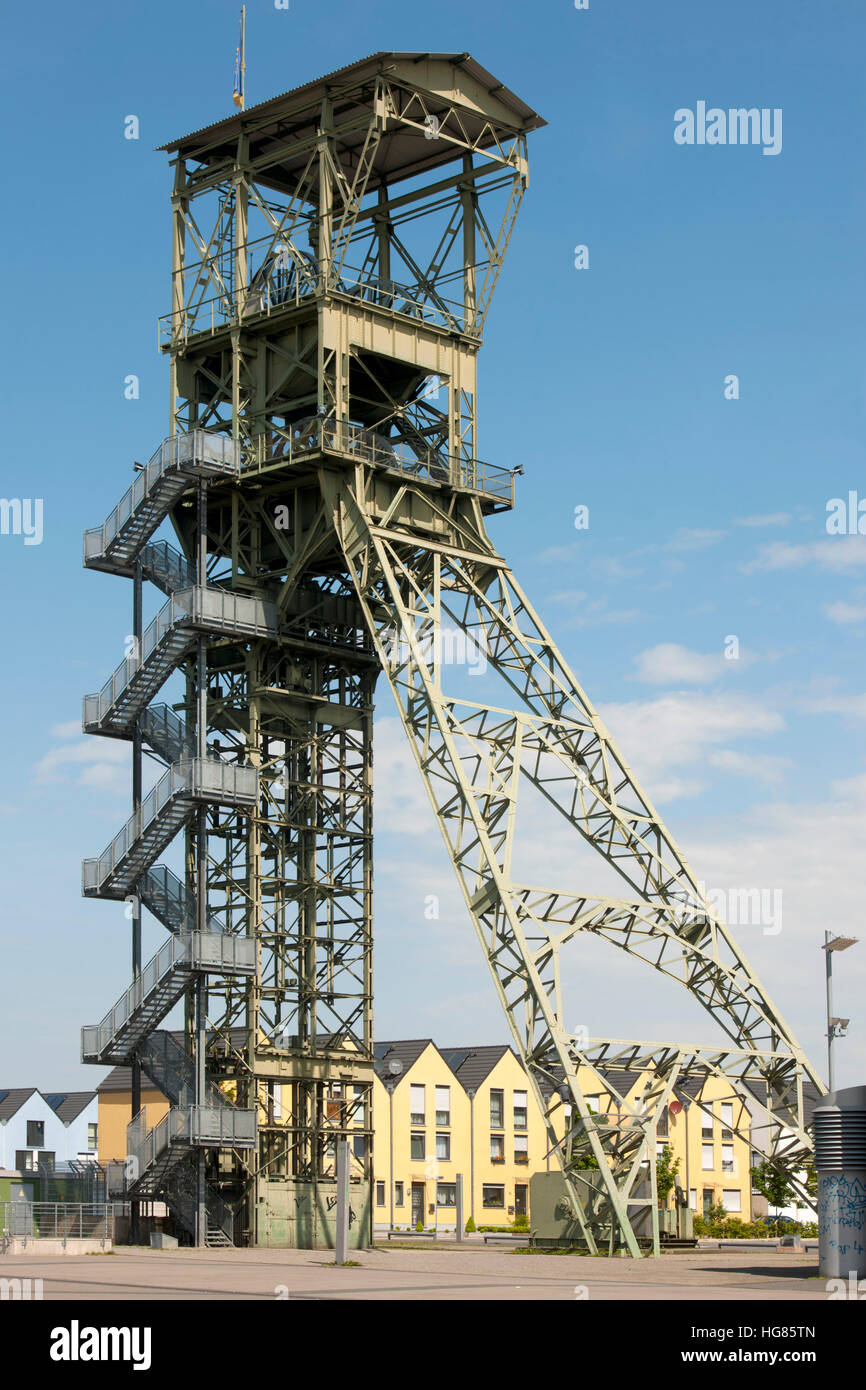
{"points": [[476, 760]]}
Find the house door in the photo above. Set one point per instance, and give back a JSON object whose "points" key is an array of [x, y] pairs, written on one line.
{"points": [[417, 1203], [519, 1199]]}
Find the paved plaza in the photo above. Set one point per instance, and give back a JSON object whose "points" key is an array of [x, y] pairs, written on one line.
{"points": [[443, 1272]]}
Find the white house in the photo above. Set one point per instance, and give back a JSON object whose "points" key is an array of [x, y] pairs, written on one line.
{"points": [[49, 1130]]}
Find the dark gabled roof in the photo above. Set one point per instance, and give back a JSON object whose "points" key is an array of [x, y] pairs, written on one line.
{"points": [[392, 1060], [310, 94], [68, 1106], [472, 1065], [811, 1097], [14, 1099]]}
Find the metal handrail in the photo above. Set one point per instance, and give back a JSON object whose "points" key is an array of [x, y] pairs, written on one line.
{"points": [[264, 296], [173, 612], [199, 777], [209, 951], [191, 450], [193, 1125], [199, 605], [366, 446]]}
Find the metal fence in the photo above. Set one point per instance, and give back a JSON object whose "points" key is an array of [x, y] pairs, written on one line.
{"points": [[57, 1220]]}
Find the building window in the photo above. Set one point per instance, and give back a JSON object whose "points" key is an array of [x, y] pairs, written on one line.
{"points": [[35, 1134], [497, 1148], [417, 1105], [25, 1160], [709, 1199], [520, 1110], [359, 1146], [398, 1194], [706, 1124], [380, 1194], [443, 1106], [446, 1194], [662, 1122], [661, 1145], [707, 1156], [92, 1133], [443, 1146], [417, 1145], [728, 1158], [693, 1198], [497, 1109], [731, 1199], [727, 1117], [46, 1159], [492, 1195], [521, 1148], [593, 1104]]}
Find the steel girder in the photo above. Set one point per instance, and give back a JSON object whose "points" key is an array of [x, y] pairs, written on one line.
{"points": [[474, 760]]}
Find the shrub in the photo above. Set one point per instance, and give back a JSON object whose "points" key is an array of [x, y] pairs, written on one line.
{"points": [[470, 1227]]}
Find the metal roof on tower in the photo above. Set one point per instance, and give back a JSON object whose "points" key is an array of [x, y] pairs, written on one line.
{"points": [[490, 112]]}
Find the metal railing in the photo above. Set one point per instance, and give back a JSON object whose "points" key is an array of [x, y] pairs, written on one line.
{"points": [[165, 565], [167, 897], [194, 451], [175, 611], [204, 951], [367, 446], [288, 284], [57, 1220], [205, 779], [166, 733], [200, 606], [187, 1127]]}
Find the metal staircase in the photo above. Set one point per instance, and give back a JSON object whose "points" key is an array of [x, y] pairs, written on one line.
{"points": [[158, 988], [181, 789], [166, 1160], [160, 1159], [163, 894], [179, 460], [166, 641], [167, 734], [166, 567]]}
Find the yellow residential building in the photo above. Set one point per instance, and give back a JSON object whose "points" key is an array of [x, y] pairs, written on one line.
{"points": [[443, 1111]]}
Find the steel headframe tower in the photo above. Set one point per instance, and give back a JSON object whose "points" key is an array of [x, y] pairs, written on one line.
{"points": [[335, 251]]}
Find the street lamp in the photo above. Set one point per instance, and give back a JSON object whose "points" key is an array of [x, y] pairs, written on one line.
{"points": [[836, 1027]]}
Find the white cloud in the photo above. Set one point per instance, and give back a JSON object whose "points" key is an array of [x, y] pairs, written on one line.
{"points": [[693, 538], [767, 519], [662, 737], [842, 612], [89, 761], [839, 554], [850, 706], [668, 663], [401, 803]]}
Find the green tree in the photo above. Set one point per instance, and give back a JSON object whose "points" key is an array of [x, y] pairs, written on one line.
{"points": [[772, 1183], [667, 1168]]}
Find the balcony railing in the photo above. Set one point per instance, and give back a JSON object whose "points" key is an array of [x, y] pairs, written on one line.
{"points": [[290, 279], [358, 444]]}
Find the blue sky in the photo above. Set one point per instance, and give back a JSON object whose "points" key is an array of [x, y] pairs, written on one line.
{"points": [[707, 515]]}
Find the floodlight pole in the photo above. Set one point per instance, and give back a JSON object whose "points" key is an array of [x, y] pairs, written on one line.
{"points": [[829, 955]]}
